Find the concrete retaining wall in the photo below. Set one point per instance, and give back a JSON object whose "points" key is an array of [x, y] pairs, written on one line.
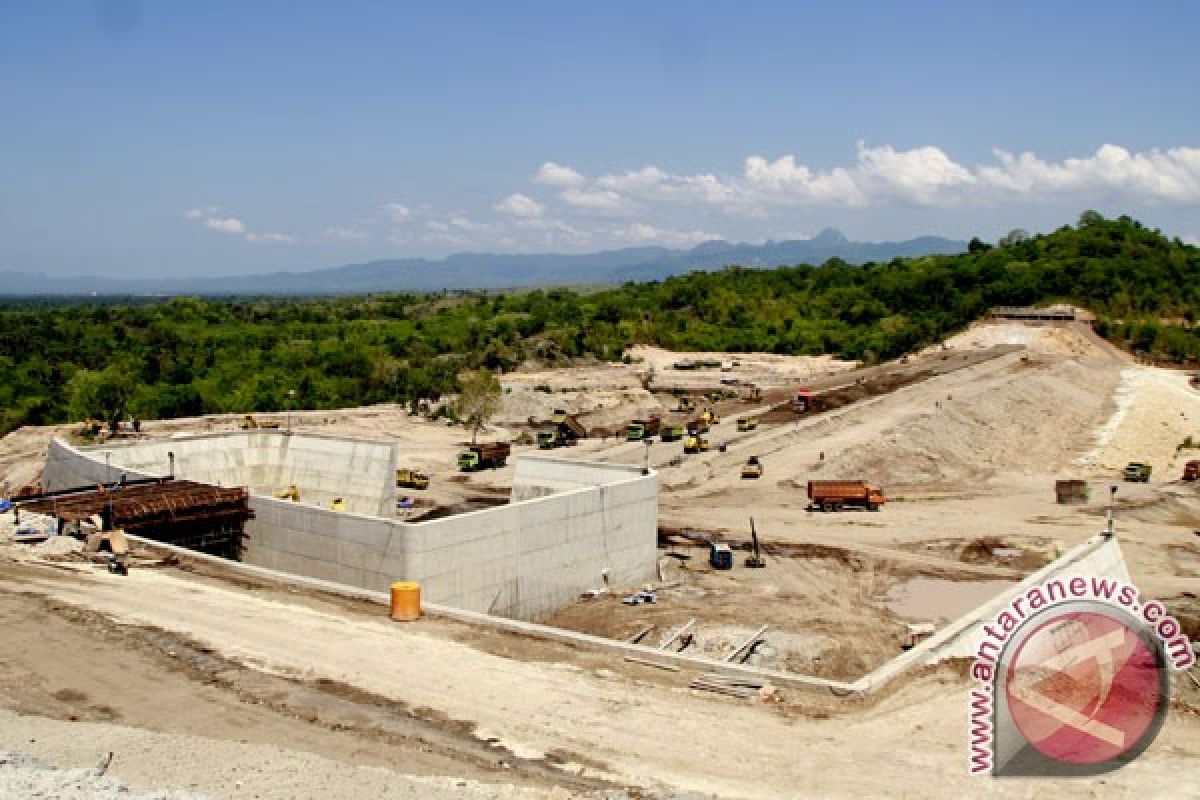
{"points": [[362, 473], [1099, 556], [575, 523]]}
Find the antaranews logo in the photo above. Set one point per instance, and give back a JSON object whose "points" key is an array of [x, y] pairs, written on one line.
{"points": [[1073, 679]]}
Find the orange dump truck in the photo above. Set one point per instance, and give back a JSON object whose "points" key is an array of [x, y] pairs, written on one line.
{"points": [[836, 495]]}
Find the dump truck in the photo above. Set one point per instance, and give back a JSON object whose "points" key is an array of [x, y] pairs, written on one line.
{"points": [[1191, 470], [412, 479], [249, 423], [747, 423], [695, 444], [804, 401], [836, 495], [484, 456], [686, 404], [709, 416], [753, 468], [673, 432], [697, 426], [1137, 472], [565, 431], [641, 429]]}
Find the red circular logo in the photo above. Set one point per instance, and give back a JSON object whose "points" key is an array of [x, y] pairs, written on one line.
{"points": [[1083, 688]]}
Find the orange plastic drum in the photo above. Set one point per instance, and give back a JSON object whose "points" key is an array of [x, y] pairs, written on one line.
{"points": [[406, 601]]}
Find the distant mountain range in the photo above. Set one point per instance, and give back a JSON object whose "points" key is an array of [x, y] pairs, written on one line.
{"points": [[495, 271]]}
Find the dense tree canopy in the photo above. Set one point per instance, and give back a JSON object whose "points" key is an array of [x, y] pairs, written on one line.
{"points": [[157, 358]]}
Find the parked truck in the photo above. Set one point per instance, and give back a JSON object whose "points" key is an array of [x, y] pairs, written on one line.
{"points": [[484, 456], [695, 444], [753, 468], [804, 401], [673, 432], [641, 429], [836, 495], [747, 423], [1137, 472], [407, 478], [1191, 470]]}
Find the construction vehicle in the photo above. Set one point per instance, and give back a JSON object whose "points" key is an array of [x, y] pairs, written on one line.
{"points": [[695, 444], [673, 432], [697, 426], [720, 556], [1137, 472], [292, 494], [565, 431], [804, 401], [686, 404], [747, 423], [484, 456], [753, 394], [755, 559], [753, 468], [408, 478], [709, 416], [1191, 470], [338, 504], [249, 423], [836, 495], [641, 429]]}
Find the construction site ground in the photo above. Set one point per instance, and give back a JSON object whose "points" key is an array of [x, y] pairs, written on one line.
{"points": [[233, 687]]}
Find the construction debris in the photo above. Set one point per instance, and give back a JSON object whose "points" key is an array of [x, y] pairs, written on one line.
{"points": [[728, 685], [747, 646], [638, 598]]}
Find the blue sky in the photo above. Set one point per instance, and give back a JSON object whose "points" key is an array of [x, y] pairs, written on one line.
{"points": [[179, 138]]}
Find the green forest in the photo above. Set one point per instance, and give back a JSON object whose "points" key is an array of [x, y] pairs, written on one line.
{"points": [[67, 360]]}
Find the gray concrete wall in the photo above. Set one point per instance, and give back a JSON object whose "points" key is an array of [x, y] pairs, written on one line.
{"points": [[524, 560], [361, 472]]}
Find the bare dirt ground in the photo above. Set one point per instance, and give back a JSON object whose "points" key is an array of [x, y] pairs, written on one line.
{"points": [[593, 723], [293, 694]]}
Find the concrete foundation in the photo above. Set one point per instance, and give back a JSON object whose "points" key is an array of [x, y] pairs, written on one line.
{"points": [[571, 526]]}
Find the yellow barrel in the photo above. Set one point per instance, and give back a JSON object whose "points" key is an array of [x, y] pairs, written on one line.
{"points": [[406, 601]]}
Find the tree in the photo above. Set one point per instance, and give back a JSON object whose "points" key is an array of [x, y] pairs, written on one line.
{"points": [[977, 245], [103, 395], [478, 400], [1089, 218], [1014, 237]]}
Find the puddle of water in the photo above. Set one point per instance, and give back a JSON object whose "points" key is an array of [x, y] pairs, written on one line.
{"points": [[938, 599]]}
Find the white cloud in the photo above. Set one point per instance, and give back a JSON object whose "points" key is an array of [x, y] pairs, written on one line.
{"points": [[1165, 176], [225, 225], [210, 217], [594, 199], [270, 238], [397, 213], [641, 233], [519, 205], [552, 174], [340, 233], [885, 175]]}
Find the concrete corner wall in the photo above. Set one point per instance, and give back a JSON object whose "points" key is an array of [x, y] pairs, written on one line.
{"points": [[568, 524], [361, 472], [531, 557]]}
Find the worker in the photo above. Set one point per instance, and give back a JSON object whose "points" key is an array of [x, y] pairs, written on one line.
{"points": [[338, 504]]}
